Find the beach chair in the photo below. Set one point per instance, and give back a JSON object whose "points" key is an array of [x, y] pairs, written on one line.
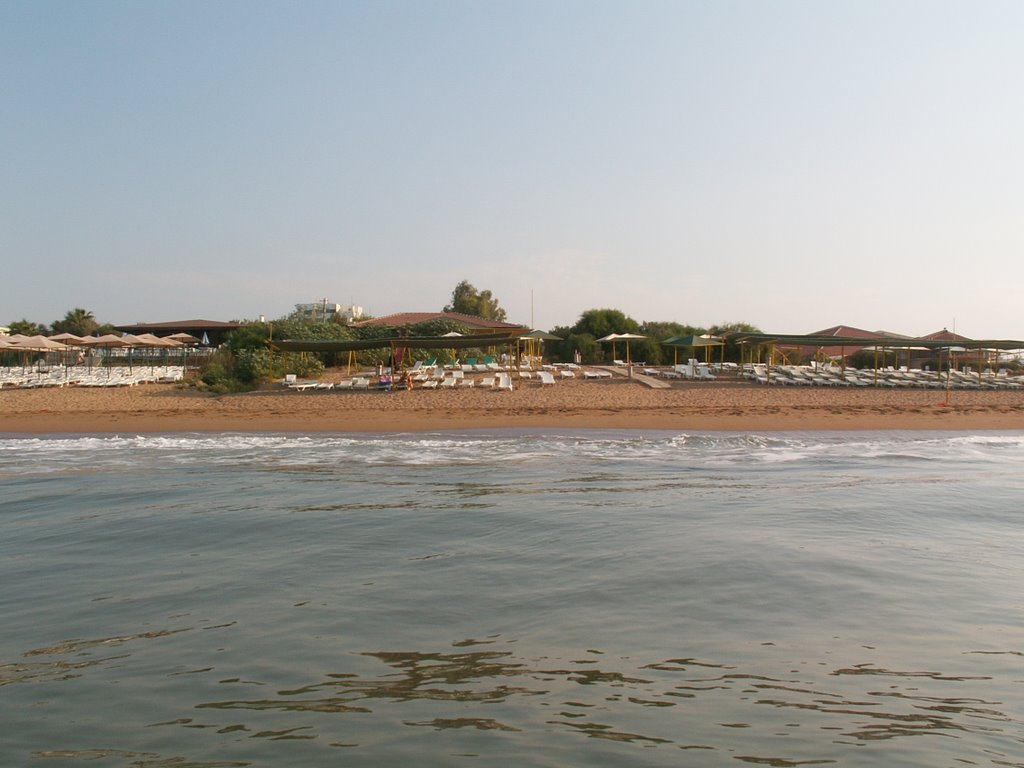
{"points": [[505, 381], [546, 377], [704, 373]]}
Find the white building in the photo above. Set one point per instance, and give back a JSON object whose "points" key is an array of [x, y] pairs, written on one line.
{"points": [[324, 310]]}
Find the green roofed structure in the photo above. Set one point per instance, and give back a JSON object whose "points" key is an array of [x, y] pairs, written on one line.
{"points": [[396, 342]]}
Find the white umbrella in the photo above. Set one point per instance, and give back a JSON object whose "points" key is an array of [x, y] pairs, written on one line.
{"points": [[613, 337]]}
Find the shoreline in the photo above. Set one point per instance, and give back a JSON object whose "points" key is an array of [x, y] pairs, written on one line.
{"points": [[610, 405]]}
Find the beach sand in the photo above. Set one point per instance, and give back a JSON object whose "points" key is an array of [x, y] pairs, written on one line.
{"points": [[617, 403]]}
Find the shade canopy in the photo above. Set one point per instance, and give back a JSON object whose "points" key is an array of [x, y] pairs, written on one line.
{"points": [[540, 336], [408, 342], [693, 341]]}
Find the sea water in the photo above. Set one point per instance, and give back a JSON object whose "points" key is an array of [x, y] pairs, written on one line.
{"points": [[514, 598]]}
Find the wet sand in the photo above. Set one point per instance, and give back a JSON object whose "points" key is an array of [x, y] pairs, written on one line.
{"points": [[572, 403]]}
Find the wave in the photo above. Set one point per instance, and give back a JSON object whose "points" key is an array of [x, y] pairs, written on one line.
{"points": [[40, 455]]}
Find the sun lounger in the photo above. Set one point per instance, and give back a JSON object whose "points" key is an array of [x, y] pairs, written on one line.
{"points": [[545, 377]]}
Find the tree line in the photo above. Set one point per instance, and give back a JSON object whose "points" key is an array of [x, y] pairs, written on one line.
{"points": [[247, 357], [80, 322]]}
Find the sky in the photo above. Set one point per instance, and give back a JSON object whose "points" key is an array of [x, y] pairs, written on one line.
{"points": [[793, 164]]}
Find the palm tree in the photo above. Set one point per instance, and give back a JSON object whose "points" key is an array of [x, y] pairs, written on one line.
{"points": [[78, 321]]}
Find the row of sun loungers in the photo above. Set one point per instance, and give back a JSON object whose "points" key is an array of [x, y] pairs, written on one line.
{"points": [[441, 378], [793, 375], [81, 376]]}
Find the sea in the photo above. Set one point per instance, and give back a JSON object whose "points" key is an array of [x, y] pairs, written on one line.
{"points": [[512, 598]]}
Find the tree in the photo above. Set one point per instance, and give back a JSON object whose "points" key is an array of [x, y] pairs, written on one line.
{"points": [[601, 322], [732, 349], [467, 300], [78, 321], [27, 328]]}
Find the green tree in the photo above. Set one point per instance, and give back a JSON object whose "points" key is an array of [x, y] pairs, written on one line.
{"points": [[565, 350], [28, 328], [732, 349], [601, 322], [78, 321], [467, 300], [724, 328]]}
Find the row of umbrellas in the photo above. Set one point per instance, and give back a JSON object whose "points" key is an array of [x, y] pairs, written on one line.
{"points": [[64, 341]]}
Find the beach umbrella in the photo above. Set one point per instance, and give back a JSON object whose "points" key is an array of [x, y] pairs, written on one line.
{"points": [[627, 337], [107, 342], [38, 344], [72, 341], [537, 337], [612, 337], [156, 341], [67, 338], [147, 340], [184, 338], [35, 344], [693, 342], [451, 335]]}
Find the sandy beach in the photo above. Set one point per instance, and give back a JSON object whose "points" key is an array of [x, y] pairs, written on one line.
{"points": [[617, 403]]}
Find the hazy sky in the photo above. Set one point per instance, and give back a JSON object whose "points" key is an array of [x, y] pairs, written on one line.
{"points": [[790, 164]]}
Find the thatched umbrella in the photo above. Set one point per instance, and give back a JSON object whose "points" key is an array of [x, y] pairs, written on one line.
{"points": [[34, 344], [107, 342]]}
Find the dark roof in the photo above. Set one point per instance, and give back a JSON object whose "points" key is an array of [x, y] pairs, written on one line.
{"points": [[856, 342], [846, 331], [945, 335], [174, 325], [407, 342]]}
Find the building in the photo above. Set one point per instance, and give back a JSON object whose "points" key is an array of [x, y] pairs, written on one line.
{"points": [[324, 310], [211, 333]]}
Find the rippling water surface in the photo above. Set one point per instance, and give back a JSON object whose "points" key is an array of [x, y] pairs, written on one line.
{"points": [[522, 599]]}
